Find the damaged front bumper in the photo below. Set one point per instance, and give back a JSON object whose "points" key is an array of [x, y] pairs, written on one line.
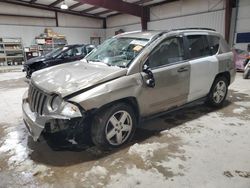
{"points": [[33, 122], [52, 123]]}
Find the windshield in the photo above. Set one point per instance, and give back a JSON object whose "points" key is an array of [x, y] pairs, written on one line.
{"points": [[118, 51], [54, 53]]}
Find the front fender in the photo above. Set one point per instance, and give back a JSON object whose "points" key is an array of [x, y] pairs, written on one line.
{"points": [[123, 87]]}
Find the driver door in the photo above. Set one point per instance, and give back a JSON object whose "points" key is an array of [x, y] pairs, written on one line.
{"points": [[171, 73]]}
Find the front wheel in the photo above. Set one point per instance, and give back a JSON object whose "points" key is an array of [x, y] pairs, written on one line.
{"points": [[28, 73], [218, 92], [113, 126], [246, 73]]}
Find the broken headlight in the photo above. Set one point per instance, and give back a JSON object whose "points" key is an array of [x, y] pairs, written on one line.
{"points": [[55, 103], [57, 106], [70, 110]]}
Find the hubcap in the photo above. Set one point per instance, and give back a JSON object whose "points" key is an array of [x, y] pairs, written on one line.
{"points": [[118, 127], [219, 92]]}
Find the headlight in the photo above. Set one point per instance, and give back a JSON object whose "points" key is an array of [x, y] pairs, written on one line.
{"points": [[60, 108], [55, 103], [70, 110]]}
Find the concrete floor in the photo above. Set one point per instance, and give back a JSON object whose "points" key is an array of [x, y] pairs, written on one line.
{"points": [[195, 147]]}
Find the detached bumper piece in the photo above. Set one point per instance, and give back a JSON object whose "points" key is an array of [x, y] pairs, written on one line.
{"points": [[34, 123]]}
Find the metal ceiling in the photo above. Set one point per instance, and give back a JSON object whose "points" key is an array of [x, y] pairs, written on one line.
{"points": [[92, 8]]}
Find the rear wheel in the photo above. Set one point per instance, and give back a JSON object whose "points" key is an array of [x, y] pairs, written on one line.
{"points": [[113, 126], [218, 92]]}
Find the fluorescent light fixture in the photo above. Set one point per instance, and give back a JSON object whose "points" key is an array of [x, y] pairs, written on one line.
{"points": [[64, 6]]}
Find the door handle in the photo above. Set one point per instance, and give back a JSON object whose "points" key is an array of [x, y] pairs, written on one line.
{"points": [[182, 69]]}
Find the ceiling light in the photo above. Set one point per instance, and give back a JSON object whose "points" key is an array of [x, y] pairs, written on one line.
{"points": [[64, 6]]}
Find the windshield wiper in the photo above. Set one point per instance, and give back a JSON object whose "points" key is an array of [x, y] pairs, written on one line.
{"points": [[108, 64], [95, 60], [122, 66]]}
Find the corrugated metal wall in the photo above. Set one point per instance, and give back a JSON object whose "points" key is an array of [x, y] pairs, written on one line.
{"points": [[214, 20], [73, 35], [124, 22], [76, 28], [177, 14]]}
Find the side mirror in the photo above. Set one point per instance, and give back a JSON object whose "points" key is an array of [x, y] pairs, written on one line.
{"points": [[150, 77]]}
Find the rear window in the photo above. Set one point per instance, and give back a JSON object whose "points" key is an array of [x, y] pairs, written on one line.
{"points": [[198, 46], [214, 43]]}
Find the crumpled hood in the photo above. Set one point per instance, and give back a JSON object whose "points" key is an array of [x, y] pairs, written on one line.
{"points": [[69, 78]]}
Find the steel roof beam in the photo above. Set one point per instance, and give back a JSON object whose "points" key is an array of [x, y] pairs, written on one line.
{"points": [[103, 12], [32, 1], [75, 5], [123, 7], [45, 7], [117, 5], [90, 9], [55, 3], [142, 1]]}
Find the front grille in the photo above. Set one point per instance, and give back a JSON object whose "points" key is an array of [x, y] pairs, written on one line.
{"points": [[37, 99]]}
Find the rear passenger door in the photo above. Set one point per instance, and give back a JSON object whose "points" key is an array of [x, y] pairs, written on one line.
{"points": [[204, 65]]}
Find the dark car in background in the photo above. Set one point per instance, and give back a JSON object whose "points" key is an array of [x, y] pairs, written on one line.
{"points": [[61, 55]]}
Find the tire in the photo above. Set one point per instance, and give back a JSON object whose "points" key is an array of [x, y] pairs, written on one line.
{"points": [[113, 126], [28, 73], [218, 92], [246, 73], [28, 76]]}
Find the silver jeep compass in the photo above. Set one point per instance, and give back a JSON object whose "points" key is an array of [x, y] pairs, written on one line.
{"points": [[129, 77]]}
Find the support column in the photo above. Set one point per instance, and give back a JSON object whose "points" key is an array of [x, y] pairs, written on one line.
{"points": [[145, 18], [56, 14], [228, 15]]}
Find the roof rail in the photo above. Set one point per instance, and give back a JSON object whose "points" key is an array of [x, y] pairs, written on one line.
{"points": [[158, 35], [191, 28]]}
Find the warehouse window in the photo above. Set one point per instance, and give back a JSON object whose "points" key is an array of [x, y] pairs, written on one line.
{"points": [[168, 52], [198, 46], [214, 42]]}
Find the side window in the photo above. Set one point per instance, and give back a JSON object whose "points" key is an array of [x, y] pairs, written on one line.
{"points": [[198, 46], [167, 52], [214, 43], [78, 51], [69, 53]]}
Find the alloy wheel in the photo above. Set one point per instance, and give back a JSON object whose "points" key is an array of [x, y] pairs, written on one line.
{"points": [[118, 128], [219, 91]]}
